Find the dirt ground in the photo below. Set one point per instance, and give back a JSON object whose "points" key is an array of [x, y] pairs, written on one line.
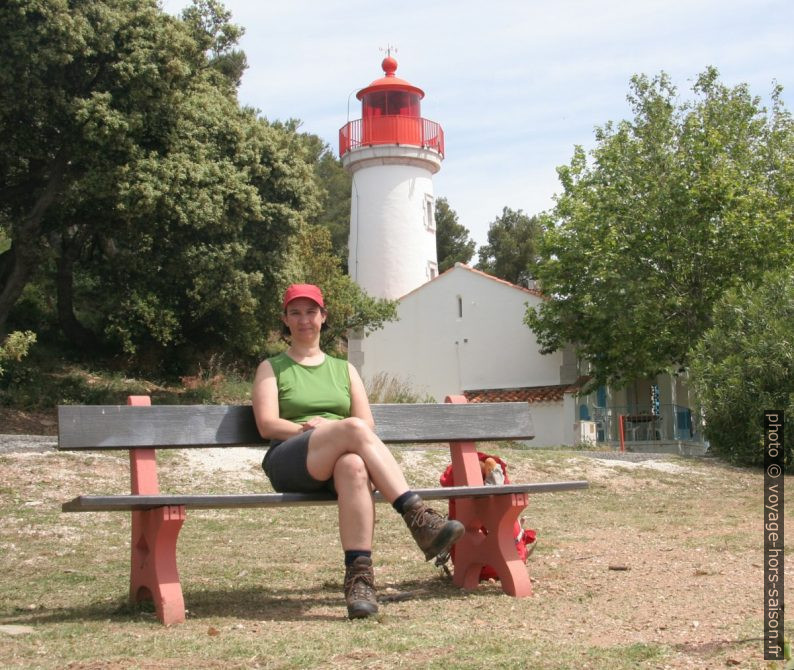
{"points": [[659, 551], [34, 422]]}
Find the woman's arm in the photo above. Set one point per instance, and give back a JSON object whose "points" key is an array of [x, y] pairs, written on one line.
{"points": [[359, 403], [264, 399]]}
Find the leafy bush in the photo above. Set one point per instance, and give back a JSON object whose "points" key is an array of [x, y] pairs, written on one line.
{"points": [[15, 347], [745, 364]]}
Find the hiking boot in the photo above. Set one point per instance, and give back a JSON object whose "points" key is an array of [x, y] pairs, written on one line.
{"points": [[433, 533], [360, 589]]}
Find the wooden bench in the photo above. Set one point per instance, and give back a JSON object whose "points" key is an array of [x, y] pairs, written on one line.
{"points": [[157, 518]]}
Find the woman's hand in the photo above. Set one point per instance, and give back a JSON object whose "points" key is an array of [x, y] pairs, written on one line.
{"points": [[313, 423]]}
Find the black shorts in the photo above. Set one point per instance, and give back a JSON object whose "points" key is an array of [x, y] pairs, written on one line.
{"points": [[285, 467]]}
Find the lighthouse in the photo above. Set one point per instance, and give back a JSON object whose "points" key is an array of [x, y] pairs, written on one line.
{"points": [[392, 154]]}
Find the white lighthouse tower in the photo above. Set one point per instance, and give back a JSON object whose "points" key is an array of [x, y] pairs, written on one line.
{"points": [[392, 154]]}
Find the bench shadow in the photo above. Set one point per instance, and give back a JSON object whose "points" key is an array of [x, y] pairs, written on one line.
{"points": [[319, 602], [323, 602]]}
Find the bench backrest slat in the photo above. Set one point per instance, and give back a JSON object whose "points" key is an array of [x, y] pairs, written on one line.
{"points": [[177, 426], [444, 422]]}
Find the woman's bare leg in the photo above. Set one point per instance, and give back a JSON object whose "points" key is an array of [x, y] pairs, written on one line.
{"points": [[336, 440], [356, 507], [330, 441]]}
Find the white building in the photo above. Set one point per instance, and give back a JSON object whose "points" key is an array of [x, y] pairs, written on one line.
{"points": [[463, 332]]}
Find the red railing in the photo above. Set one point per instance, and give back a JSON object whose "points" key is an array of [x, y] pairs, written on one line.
{"points": [[412, 131]]}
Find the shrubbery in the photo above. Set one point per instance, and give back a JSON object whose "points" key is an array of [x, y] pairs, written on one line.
{"points": [[15, 347], [745, 364]]}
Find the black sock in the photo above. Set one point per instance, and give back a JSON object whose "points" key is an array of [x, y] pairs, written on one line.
{"points": [[352, 554], [399, 503]]}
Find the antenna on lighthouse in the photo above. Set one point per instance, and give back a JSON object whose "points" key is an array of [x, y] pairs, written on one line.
{"points": [[389, 48]]}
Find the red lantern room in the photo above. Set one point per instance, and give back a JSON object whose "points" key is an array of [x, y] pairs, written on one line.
{"points": [[391, 114]]}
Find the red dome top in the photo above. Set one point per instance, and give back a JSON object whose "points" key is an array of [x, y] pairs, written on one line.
{"points": [[389, 66], [390, 82], [391, 114]]}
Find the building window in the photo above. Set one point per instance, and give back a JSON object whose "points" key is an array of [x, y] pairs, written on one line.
{"points": [[432, 270], [460, 307], [430, 217]]}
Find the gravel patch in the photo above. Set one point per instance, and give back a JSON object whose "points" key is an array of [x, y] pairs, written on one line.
{"points": [[242, 461], [34, 443], [633, 456]]}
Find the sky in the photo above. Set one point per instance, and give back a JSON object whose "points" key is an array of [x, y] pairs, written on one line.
{"points": [[515, 84]]}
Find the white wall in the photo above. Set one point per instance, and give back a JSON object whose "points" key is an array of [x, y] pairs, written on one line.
{"points": [[569, 419], [439, 352], [550, 424]]}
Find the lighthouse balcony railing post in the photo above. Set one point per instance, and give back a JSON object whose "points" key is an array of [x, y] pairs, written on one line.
{"points": [[433, 136], [391, 129]]}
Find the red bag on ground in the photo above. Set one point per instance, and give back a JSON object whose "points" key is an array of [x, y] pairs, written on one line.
{"points": [[524, 538]]}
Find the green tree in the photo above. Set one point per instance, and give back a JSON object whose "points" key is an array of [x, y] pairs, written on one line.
{"points": [[744, 364], [85, 87], [197, 266], [512, 249], [175, 207], [334, 184], [452, 238], [675, 206]]}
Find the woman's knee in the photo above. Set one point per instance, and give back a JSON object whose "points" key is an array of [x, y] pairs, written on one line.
{"points": [[351, 468], [357, 430]]}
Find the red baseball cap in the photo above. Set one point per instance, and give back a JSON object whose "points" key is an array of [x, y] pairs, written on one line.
{"points": [[309, 291]]}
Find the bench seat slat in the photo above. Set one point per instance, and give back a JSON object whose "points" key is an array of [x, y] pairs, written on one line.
{"points": [[181, 426], [142, 502]]}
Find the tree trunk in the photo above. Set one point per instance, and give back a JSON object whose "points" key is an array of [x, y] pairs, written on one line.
{"points": [[74, 331], [25, 250], [7, 260], [16, 272]]}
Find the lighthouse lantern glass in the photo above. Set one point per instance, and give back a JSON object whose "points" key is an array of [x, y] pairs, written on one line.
{"points": [[391, 103]]}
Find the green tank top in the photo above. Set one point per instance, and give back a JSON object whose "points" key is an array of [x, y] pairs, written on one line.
{"points": [[305, 391]]}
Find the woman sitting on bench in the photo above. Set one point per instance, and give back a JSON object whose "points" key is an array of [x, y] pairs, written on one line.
{"points": [[315, 411]]}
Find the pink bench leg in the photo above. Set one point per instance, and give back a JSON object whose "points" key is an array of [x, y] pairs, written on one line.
{"points": [[497, 514], [153, 572], [497, 548]]}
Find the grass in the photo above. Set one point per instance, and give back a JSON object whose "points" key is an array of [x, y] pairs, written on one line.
{"points": [[41, 381], [263, 587], [385, 388]]}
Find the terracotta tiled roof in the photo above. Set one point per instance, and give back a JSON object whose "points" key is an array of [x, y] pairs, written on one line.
{"points": [[528, 394], [532, 291]]}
